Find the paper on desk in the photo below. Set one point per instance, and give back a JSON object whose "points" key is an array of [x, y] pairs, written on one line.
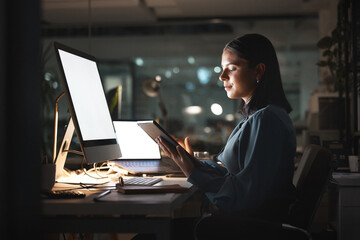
{"points": [[115, 196], [82, 179]]}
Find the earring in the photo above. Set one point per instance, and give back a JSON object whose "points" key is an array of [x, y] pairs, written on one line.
{"points": [[257, 80]]}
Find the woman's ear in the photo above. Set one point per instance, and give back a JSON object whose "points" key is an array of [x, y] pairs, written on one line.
{"points": [[260, 70]]}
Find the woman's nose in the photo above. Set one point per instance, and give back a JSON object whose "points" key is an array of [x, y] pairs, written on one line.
{"points": [[222, 76]]}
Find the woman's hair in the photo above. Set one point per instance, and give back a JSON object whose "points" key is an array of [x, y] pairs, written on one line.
{"points": [[257, 49]]}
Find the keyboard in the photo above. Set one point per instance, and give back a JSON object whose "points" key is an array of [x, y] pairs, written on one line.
{"points": [[59, 194], [145, 181]]}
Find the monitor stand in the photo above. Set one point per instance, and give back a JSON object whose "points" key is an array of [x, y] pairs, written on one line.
{"points": [[63, 152], [64, 176], [59, 159]]}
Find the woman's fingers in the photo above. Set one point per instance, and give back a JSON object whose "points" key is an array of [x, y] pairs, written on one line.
{"points": [[187, 146], [178, 154], [181, 152], [167, 147], [162, 146], [186, 165]]}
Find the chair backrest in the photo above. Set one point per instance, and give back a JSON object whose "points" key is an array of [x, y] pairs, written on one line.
{"points": [[310, 180]]}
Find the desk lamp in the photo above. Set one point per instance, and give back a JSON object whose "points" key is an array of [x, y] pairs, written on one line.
{"points": [[151, 88]]}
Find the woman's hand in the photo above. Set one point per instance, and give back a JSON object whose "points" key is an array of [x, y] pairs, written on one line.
{"points": [[178, 154], [185, 145]]}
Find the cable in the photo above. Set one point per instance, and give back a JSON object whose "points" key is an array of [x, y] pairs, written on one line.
{"points": [[99, 168], [90, 170]]}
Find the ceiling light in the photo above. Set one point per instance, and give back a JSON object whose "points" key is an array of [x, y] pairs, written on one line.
{"points": [[207, 130], [216, 109], [176, 70], [203, 75], [190, 86], [230, 117], [139, 61], [193, 110], [191, 60], [168, 74], [217, 69]]}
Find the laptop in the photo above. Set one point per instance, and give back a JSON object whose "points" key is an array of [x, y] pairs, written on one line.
{"points": [[140, 153]]}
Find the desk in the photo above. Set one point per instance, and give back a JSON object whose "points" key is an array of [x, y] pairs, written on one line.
{"points": [[348, 206], [138, 213]]}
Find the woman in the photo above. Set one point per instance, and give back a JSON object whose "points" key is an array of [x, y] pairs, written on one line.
{"points": [[258, 158]]}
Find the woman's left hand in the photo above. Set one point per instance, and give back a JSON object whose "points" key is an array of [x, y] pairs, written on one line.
{"points": [[178, 154], [185, 144]]}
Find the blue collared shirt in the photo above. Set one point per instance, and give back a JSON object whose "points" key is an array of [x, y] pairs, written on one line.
{"points": [[259, 165]]}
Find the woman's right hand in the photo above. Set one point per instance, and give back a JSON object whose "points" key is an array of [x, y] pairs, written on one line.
{"points": [[178, 154]]}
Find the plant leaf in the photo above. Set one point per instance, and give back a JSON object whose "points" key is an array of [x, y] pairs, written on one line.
{"points": [[322, 63], [324, 43], [327, 53]]}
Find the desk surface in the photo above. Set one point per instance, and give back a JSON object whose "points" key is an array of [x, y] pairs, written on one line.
{"points": [[347, 179], [117, 203], [348, 205]]}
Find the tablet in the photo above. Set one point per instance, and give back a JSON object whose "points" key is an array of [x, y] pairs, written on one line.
{"points": [[154, 130]]}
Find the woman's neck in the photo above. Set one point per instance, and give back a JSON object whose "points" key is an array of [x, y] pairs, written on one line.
{"points": [[247, 99]]}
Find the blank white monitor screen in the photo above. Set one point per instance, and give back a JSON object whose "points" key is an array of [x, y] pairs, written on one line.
{"points": [[134, 142], [88, 97]]}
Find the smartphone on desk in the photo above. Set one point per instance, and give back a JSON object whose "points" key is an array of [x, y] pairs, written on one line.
{"points": [[154, 130]]}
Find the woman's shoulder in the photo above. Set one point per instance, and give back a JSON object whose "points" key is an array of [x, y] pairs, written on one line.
{"points": [[271, 113]]}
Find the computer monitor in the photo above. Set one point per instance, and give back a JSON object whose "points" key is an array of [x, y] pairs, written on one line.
{"points": [[87, 105]]}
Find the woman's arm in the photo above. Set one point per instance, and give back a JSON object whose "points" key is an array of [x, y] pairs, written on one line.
{"points": [[266, 167]]}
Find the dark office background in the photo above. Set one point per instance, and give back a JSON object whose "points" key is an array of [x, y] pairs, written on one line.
{"points": [[25, 38], [20, 119], [185, 51]]}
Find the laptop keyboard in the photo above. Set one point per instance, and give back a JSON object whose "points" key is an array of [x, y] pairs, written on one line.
{"points": [[147, 181], [149, 166], [147, 163]]}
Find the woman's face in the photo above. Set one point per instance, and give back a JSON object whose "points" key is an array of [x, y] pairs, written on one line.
{"points": [[239, 80]]}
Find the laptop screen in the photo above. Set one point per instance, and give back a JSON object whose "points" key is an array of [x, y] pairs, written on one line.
{"points": [[134, 142]]}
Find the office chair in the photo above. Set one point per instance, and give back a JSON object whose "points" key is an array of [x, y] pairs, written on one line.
{"points": [[310, 180]]}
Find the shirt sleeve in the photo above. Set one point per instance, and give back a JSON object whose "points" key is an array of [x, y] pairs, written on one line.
{"points": [[264, 171], [209, 178]]}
